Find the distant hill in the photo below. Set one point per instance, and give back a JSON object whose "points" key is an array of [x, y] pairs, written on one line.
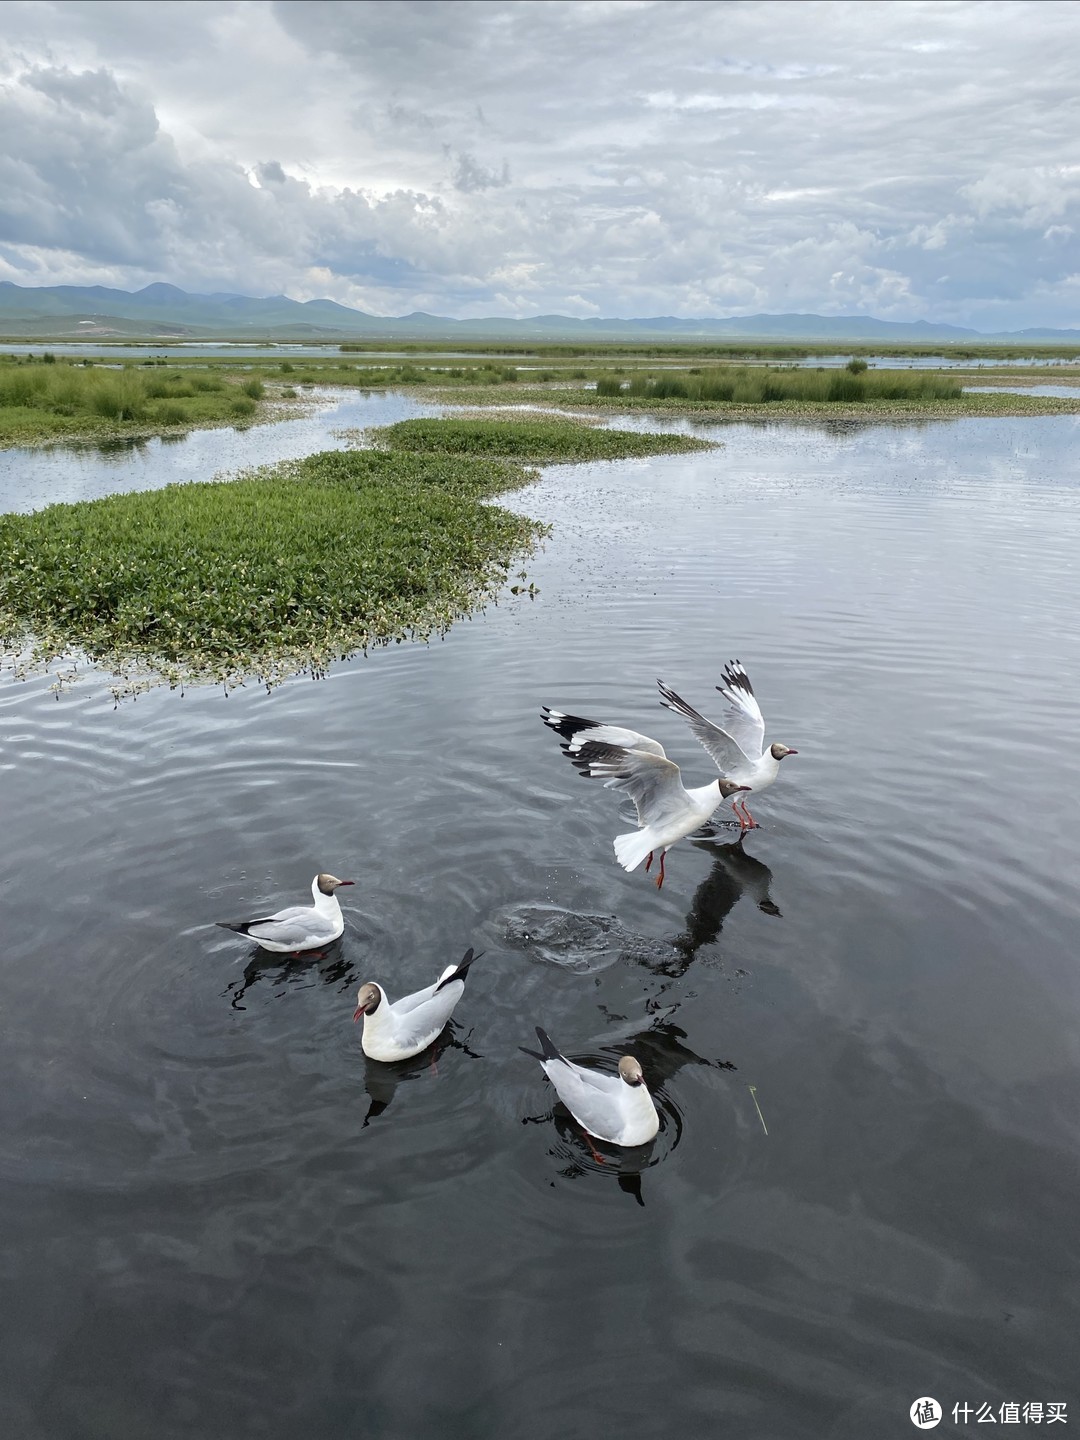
{"points": [[68, 311]]}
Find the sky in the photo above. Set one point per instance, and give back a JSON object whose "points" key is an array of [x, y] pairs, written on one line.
{"points": [[584, 157]]}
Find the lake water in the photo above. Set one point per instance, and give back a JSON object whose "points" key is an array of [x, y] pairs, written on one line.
{"points": [[1068, 392], [219, 349], [931, 362], [218, 1220], [32, 478], [226, 349]]}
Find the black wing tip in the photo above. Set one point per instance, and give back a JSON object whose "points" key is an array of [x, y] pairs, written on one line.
{"points": [[533, 1054], [671, 698], [461, 969], [550, 1049], [735, 675], [566, 725], [243, 927]]}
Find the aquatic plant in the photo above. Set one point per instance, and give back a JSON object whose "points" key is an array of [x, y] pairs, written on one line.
{"points": [[539, 440], [278, 571]]}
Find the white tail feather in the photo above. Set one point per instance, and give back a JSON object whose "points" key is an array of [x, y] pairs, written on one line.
{"points": [[632, 848]]}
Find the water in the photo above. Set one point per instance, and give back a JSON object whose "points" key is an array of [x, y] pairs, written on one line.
{"points": [[32, 478], [219, 1220], [1069, 392], [224, 349], [933, 362], [282, 350]]}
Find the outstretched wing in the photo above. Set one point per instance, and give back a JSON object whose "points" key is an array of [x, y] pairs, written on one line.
{"points": [[742, 717], [577, 731], [728, 755], [653, 782]]}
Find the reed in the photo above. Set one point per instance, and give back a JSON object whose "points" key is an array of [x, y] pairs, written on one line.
{"points": [[42, 400]]}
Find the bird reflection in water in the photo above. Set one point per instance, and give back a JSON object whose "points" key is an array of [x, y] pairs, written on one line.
{"points": [[662, 1052], [734, 873], [328, 965], [382, 1078]]}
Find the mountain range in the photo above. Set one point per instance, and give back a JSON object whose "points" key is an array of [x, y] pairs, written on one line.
{"points": [[167, 312]]}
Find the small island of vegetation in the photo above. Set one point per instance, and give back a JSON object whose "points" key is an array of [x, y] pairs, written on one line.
{"points": [[49, 399], [281, 570]]}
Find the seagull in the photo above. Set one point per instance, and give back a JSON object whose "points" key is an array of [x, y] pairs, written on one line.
{"points": [[739, 749], [298, 927], [615, 1108], [400, 1029], [628, 761]]}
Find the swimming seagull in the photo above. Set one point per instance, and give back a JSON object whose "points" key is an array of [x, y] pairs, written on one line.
{"points": [[298, 927], [616, 1108], [628, 761], [401, 1029], [738, 749]]}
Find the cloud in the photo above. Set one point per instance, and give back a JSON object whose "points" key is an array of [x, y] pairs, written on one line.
{"points": [[597, 158], [470, 175]]}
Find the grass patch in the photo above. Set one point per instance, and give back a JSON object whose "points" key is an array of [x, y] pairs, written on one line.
{"points": [[538, 441], [770, 387], [279, 571], [720, 412], [47, 401]]}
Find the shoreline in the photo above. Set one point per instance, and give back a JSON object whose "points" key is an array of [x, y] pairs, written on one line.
{"points": [[732, 413]]}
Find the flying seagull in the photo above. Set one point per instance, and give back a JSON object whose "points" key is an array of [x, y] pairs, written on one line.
{"points": [[626, 760], [738, 749]]}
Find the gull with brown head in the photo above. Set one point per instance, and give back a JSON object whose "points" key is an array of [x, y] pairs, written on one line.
{"points": [[400, 1029], [738, 747], [616, 1108], [298, 928], [626, 760]]}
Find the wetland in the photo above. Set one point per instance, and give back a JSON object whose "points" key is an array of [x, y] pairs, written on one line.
{"points": [[860, 1025]]}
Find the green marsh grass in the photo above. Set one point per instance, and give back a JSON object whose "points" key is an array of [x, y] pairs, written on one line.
{"points": [[768, 387], [39, 401], [278, 571], [284, 569], [725, 402], [537, 441]]}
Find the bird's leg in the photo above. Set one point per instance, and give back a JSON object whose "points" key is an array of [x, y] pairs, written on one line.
{"points": [[746, 820], [595, 1153], [648, 862], [660, 877]]}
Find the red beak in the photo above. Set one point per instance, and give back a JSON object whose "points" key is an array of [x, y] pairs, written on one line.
{"points": [[790, 752], [357, 1013], [353, 882]]}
